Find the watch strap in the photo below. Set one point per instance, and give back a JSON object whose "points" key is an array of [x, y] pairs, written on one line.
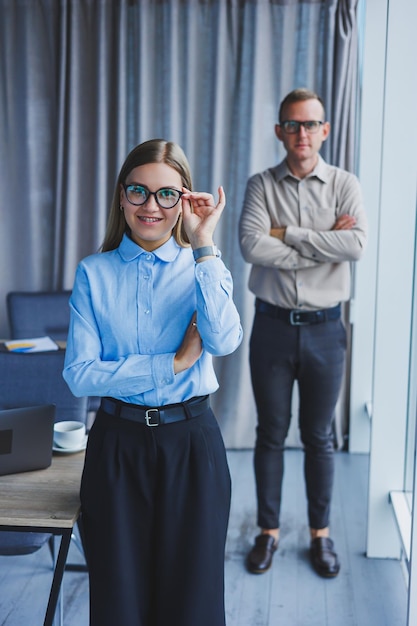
{"points": [[205, 251]]}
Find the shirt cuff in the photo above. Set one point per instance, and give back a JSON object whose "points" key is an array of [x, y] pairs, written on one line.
{"points": [[295, 236], [163, 369], [210, 271]]}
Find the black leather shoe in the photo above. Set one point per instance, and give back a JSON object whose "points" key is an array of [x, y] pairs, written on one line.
{"points": [[324, 558], [260, 557]]}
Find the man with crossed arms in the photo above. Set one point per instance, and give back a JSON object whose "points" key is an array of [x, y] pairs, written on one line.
{"points": [[301, 225]]}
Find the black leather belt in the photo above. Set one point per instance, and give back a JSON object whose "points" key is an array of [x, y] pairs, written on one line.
{"points": [[158, 415], [296, 317]]}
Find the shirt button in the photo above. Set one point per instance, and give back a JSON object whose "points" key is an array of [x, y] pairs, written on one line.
{"points": [[147, 312]]}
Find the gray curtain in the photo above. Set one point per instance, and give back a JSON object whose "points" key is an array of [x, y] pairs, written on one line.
{"points": [[83, 81]]}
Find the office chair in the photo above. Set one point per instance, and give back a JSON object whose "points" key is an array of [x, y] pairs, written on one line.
{"points": [[28, 379], [38, 313]]}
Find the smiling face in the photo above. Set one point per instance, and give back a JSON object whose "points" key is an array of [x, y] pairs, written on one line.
{"points": [[302, 147], [150, 225]]}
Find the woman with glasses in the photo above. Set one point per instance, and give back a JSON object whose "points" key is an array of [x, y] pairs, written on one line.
{"points": [[147, 314]]}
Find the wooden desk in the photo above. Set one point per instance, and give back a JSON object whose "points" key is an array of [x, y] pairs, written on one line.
{"points": [[45, 501]]}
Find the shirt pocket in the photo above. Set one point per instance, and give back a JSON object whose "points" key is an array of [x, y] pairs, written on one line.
{"points": [[324, 218]]}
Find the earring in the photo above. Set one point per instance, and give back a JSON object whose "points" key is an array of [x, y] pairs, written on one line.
{"points": [[120, 207]]}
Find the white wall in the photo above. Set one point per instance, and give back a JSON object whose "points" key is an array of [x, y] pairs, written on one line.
{"points": [[383, 298]]}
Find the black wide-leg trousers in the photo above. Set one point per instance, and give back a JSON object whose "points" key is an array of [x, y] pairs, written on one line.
{"points": [[314, 355], [155, 504]]}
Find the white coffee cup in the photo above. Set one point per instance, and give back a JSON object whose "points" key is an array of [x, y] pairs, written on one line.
{"points": [[69, 434]]}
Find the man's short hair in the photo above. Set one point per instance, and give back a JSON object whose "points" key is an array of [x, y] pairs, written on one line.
{"points": [[299, 95]]}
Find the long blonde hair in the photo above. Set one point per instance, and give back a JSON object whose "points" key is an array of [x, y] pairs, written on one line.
{"points": [[152, 151]]}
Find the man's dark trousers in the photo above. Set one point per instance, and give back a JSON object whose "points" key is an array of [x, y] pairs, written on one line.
{"points": [[314, 355]]}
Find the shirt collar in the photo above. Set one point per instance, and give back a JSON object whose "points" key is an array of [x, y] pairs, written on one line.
{"points": [[320, 171], [129, 250]]}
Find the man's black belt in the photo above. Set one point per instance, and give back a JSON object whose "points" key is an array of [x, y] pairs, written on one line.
{"points": [[296, 317], [156, 415]]}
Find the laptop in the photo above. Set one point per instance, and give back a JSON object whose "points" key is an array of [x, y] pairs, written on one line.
{"points": [[26, 436]]}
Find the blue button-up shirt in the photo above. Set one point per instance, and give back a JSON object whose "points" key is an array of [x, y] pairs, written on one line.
{"points": [[129, 312]]}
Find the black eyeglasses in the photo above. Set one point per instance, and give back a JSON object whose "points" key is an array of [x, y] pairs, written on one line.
{"points": [[166, 197], [291, 127]]}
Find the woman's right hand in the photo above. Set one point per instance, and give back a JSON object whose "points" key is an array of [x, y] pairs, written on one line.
{"points": [[190, 349]]}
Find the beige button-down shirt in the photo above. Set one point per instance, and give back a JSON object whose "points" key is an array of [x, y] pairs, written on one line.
{"points": [[311, 268]]}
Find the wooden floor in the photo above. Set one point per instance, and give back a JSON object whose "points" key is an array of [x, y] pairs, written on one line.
{"points": [[367, 592]]}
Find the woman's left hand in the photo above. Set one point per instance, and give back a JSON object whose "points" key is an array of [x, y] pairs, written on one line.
{"points": [[200, 216]]}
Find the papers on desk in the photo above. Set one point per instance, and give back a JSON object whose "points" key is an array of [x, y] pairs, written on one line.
{"points": [[38, 344]]}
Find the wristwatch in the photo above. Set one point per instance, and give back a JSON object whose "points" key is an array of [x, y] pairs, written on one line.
{"points": [[206, 251]]}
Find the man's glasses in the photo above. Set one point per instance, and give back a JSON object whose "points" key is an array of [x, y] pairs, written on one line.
{"points": [[166, 197], [291, 127]]}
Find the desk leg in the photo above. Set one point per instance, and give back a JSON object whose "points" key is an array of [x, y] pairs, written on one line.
{"points": [[74, 567], [57, 579]]}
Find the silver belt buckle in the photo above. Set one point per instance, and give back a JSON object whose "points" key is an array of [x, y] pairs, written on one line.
{"points": [[294, 321], [148, 417]]}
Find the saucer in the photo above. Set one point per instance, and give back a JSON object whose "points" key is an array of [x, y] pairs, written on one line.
{"points": [[57, 448]]}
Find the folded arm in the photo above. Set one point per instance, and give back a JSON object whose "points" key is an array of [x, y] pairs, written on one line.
{"points": [[296, 246], [257, 244]]}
